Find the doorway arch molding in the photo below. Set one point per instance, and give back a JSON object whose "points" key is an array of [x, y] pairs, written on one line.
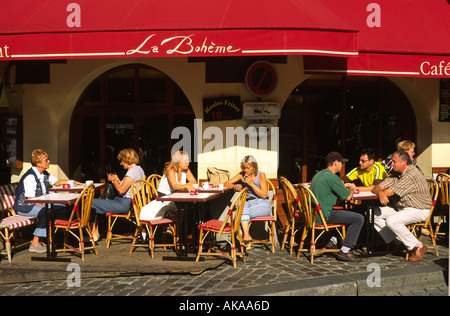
{"points": [[414, 91]]}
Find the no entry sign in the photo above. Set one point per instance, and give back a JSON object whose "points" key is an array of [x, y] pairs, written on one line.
{"points": [[261, 78]]}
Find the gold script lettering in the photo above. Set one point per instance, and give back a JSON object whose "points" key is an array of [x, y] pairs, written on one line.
{"points": [[138, 49]]}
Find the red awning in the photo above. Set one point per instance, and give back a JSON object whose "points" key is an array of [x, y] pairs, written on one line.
{"points": [[386, 37], [153, 28], [411, 39]]}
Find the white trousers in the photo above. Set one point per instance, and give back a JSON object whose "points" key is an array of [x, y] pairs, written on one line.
{"points": [[391, 224], [157, 210]]}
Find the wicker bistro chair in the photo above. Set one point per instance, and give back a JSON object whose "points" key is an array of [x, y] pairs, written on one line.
{"points": [[112, 220], [269, 220], [434, 191], [142, 193], [78, 221], [443, 181], [228, 230], [7, 197], [10, 222], [309, 210], [9, 225], [154, 179], [294, 221]]}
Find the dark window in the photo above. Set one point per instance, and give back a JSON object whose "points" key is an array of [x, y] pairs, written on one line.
{"points": [[345, 114]]}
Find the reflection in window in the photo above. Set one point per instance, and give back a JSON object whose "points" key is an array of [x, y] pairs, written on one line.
{"points": [[152, 86], [179, 98], [121, 86], [92, 95], [90, 155]]}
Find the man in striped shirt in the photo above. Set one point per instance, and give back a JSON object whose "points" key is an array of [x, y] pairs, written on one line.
{"points": [[368, 174], [405, 200]]}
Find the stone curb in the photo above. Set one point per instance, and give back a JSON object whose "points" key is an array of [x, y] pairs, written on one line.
{"points": [[352, 284]]}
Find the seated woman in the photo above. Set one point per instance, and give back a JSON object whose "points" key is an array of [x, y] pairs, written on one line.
{"points": [[257, 203], [176, 177], [121, 204]]}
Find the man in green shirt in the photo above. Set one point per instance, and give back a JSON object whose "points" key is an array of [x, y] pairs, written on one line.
{"points": [[326, 186]]}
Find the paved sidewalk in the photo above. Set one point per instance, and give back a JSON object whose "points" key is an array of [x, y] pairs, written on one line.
{"points": [[264, 273]]}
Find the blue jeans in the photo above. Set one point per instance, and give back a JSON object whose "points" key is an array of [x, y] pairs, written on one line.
{"points": [[255, 208], [119, 205], [39, 211], [354, 221]]}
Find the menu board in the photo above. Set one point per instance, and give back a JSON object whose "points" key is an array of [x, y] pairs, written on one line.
{"points": [[444, 104], [223, 108]]}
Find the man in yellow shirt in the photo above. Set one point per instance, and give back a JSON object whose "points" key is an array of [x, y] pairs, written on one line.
{"points": [[368, 174]]}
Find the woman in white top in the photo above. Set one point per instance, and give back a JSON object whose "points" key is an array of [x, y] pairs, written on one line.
{"points": [[176, 177]]}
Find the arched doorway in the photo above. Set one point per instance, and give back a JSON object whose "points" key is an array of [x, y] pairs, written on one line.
{"points": [[345, 114], [133, 106]]}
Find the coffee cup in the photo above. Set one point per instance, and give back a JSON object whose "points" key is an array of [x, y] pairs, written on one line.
{"points": [[221, 186], [89, 182], [205, 185]]}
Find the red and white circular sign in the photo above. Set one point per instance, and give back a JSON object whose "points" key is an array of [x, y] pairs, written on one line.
{"points": [[261, 78]]}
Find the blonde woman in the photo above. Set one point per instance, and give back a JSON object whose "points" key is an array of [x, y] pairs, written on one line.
{"points": [[177, 177], [121, 204], [408, 147], [257, 203]]}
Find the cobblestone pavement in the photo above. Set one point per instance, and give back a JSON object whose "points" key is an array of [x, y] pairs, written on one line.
{"points": [[263, 270], [152, 286]]}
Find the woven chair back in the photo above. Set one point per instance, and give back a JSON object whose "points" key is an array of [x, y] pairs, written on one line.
{"points": [[142, 193], [84, 204], [443, 180], [309, 207], [290, 198]]}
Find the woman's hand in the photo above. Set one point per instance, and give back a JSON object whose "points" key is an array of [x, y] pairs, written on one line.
{"points": [[112, 177], [249, 180], [190, 187], [237, 187]]}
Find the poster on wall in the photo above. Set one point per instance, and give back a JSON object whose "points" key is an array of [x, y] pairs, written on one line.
{"points": [[222, 108], [444, 104]]}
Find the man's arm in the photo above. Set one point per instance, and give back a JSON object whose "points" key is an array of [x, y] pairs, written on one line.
{"points": [[351, 187], [383, 193], [369, 188]]}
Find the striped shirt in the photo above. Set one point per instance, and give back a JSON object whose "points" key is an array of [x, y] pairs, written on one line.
{"points": [[410, 188]]}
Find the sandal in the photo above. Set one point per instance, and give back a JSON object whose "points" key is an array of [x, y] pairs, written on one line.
{"points": [[247, 244]]}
